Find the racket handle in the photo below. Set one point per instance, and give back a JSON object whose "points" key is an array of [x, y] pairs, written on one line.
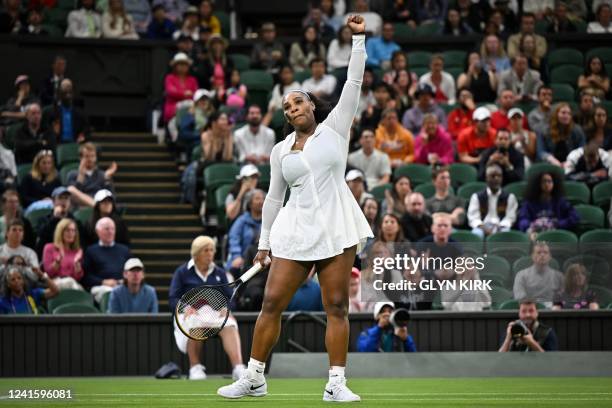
{"points": [[251, 272]]}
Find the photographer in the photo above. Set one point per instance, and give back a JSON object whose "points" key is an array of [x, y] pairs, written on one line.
{"points": [[527, 333], [387, 334], [504, 155]]}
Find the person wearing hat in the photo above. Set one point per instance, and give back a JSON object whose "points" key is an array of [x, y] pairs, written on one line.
{"points": [[255, 141], [504, 154], [179, 85], [105, 206], [245, 182], [160, 27], [394, 140], [215, 71], [194, 121], [383, 336], [523, 140], [476, 138], [413, 117], [356, 183], [268, 53], [207, 18], [245, 230], [45, 229], [133, 296], [14, 109]]}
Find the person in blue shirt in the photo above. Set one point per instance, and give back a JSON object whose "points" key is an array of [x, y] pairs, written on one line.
{"points": [[66, 121], [380, 49], [17, 298], [245, 230], [308, 296], [160, 27], [201, 270], [383, 336], [134, 296]]}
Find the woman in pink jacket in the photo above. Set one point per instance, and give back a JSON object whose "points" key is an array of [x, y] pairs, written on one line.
{"points": [[63, 258], [433, 145], [178, 85]]}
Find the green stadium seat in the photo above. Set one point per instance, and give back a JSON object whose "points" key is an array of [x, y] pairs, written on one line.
{"points": [[605, 53], [53, 31], [220, 196], [264, 176], [447, 108], [403, 33], [602, 193], [558, 237], [597, 268], [565, 56], [597, 242], [419, 71], [379, 191], [70, 296], [104, 303], [301, 76], [499, 295], [514, 305], [454, 71], [517, 188], [218, 174], [427, 189], [417, 173], [525, 262], [65, 170], [541, 26], [76, 308], [454, 58], [68, 5], [419, 59], [591, 217], [83, 215], [225, 23], [577, 193], [35, 216], [22, 170], [497, 265], [497, 279], [512, 240], [466, 190], [537, 168], [470, 242], [428, 29], [566, 74], [56, 17], [563, 93], [196, 152], [602, 294], [607, 105], [67, 153], [256, 79], [10, 135], [241, 62], [462, 173]]}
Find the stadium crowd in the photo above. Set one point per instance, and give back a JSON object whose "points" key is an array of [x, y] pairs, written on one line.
{"points": [[504, 143]]}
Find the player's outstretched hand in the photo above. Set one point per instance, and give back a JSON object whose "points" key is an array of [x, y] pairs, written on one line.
{"points": [[356, 23]]}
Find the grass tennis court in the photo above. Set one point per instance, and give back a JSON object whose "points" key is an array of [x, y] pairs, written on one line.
{"points": [[489, 392]]}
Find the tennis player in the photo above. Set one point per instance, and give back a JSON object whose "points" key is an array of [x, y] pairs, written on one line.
{"points": [[321, 225]]}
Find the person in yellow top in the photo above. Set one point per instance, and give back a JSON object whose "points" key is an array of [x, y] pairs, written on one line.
{"points": [[208, 19], [393, 139]]}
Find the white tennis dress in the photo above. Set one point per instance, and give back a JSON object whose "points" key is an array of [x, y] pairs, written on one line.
{"points": [[321, 217]]}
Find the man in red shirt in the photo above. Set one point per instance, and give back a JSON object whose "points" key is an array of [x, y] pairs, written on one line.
{"points": [[476, 138], [461, 117], [499, 119]]}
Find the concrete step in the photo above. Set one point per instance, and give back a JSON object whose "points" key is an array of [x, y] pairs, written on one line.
{"points": [[142, 165], [166, 232], [142, 207], [177, 255], [161, 242], [138, 155], [145, 176], [173, 220]]}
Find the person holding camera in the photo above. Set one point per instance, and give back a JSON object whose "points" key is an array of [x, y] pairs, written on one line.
{"points": [[390, 333], [505, 155], [527, 333]]}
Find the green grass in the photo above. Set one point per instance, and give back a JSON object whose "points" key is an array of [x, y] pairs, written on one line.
{"points": [[448, 393]]}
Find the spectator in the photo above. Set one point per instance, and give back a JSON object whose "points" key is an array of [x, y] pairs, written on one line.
{"points": [[416, 223], [544, 206], [245, 230], [285, 84], [103, 262], [538, 337], [576, 10], [499, 118], [442, 82], [477, 138], [322, 85], [492, 210], [105, 206], [493, 55], [89, 178], [320, 22], [117, 23], [431, 12], [307, 298], [461, 117], [562, 137], [394, 140], [466, 300], [561, 22], [332, 12], [589, 165], [355, 181], [380, 49], [216, 140], [14, 110], [540, 116], [178, 84], [595, 4], [200, 270], [454, 25], [66, 121], [13, 245], [528, 24], [413, 118], [84, 22], [602, 23], [63, 258], [576, 293], [190, 25], [208, 19], [371, 210], [439, 245], [235, 202], [474, 13], [399, 63], [394, 198], [11, 18], [601, 130], [40, 182], [46, 226], [34, 24], [384, 97], [193, 122], [404, 90], [444, 201], [528, 48], [140, 11], [18, 298], [269, 53], [539, 281], [307, 49], [433, 145], [372, 162], [8, 168], [355, 303], [508, 9], [340, 49], [216, 70], [49, 87], [11, 210], [31, 138], [503, 154], [160, 27], [594, 79], [174, 8], [383, 336], [524, 141], [521, 80], [254, 142], [475, 78], [373, 21], [400, 12], [366, 99], [133, 296]]}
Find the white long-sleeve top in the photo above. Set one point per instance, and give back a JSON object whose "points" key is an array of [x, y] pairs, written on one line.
{"points": [[321, 217], [447, 86], [475, 220], [338, 55]]}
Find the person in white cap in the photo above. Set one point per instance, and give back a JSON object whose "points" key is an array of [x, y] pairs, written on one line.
{"points": [[246, 182], [383, 336], [524, 141], [193, 121], [254, 141], [355, 180], [476, 138], [105, 206], [133, 296], [321, 224], [178, 85]]}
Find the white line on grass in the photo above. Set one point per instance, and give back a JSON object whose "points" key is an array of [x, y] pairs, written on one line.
{"points": [[391, 394]]}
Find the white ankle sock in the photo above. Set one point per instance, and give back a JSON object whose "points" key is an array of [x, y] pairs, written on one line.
{"points": [[336, 371], [256, 368]]}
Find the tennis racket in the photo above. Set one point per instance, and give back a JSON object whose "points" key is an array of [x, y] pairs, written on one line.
{"points": [[203, 312]]}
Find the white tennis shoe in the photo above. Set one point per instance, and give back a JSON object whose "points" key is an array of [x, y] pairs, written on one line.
{"points": [[245, 387], [238, 371], [337, 391], [197, 372]]}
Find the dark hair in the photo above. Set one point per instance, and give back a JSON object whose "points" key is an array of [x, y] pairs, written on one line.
{"points": [[436, 171], [378, 208], [316, 60], [15, 222], [528, 15], [503, 129], [95, 215], [526, 301], [587, 67], [322, 109], [400, 233], [396, 79], [394, 182], [533, 191], [542, 87], [214, 117], [466, 63], [281, 86], [253, 105], [339, 36], [601, 5], [387, 87], [307, 47]]}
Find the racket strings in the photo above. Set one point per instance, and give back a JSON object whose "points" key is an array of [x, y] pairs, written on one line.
{"points": [[202, 312]]}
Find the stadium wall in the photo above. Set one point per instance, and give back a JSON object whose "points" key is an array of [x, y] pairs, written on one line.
{"points": [[101, 345]]}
